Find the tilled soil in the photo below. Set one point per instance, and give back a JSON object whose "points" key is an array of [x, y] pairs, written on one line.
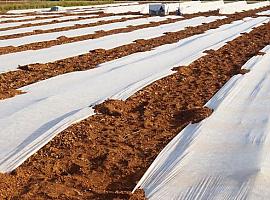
{"points": [[105, 155], [98, 34], [44, 16], [11, 81], [26, 20], [64, 40], [84, 25], [39, 16], [51, 22], [76, 26]]}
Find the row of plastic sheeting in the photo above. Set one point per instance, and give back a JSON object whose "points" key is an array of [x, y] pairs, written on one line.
{"points": [[28, 121], [192, 7], [58, 19], [52, 26], [188, 7], [83, 31], [13, 60], [225, 156], [241, 6]]}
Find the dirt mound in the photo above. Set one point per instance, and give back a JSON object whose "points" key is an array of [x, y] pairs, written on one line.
{"points": [[111, 107]]}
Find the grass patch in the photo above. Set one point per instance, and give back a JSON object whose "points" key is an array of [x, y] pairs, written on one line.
{"points": [[6, 6]]}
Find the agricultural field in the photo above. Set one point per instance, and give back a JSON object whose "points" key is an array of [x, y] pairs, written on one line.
{"points": [[106, 102], [6, 5]]}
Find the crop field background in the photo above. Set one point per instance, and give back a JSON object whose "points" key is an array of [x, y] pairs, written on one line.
{"points": [[6, 5], [30, 4], [107, 102]]}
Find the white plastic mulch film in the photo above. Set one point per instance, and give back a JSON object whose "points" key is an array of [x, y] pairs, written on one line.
{"points": [[30, 120], [225, 156]]}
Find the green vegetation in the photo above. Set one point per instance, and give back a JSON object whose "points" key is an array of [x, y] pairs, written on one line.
{"points": [[5, 6]]}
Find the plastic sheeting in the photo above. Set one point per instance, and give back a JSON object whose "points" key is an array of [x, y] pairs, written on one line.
{"points": [[79, 31], [267, 12], [3, 18], [203, 7], [62, 24], [225, 156], [257, 5], [13, 24], [231, 8], [30, 120], [11, 61], [240, 6]]}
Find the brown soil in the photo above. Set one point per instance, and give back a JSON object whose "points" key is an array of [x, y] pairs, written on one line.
{"points": [[98, 34], [13, 19], [11, 81], [51, 22], [104, 156], [41, 16], [76, 26], [63, 39], [27, 20]]}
